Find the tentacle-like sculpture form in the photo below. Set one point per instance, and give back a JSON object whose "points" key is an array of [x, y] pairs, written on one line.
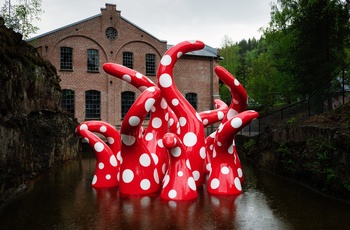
{"points": [[238, 104], [113, 140], [224, 178], [210, 117], [191, 127], [139, 175], [159, 114], [178, 183], [107, 167]]}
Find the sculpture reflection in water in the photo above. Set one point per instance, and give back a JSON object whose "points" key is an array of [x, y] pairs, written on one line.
{"points": [[171, 156]]}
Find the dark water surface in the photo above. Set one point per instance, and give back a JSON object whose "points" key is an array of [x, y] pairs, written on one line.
{"points": [[64, 199]]}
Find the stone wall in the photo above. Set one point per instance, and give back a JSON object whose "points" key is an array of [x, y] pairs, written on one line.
{"points": [[315, 155], [35, 134]]}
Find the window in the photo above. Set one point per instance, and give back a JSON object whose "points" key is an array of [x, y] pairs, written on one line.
{"points": [[150, 64], [128, 99], [111, 33], [92, 104], [192, 99], [66, 55], [128, 59], [92, 60], [68, 100]]}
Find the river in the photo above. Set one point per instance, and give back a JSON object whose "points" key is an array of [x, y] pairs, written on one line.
{"points": [[64, 199]]}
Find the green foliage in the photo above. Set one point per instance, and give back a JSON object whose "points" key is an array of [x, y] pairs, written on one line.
{"points": [[292, 121], [20, 16], [249, 144]]}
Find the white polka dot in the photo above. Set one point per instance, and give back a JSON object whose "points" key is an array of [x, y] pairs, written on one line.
{"points": [[94, 180], [231, 113], [179, 54], [199, 117], [149, 104], [188, 164], [236, 122], [205, 121], [108, 176], [235, 101], [113, 161], [134, 120], [98, 147], [163, 104], [176, 152], [180, 173], [172, 194], [126, 78], [164, 167], [196, 175], [236, 82], [171, 121], [190, 139], [160, 143], [238, 184], [208, 167], [149, 136], [110, 140], [145, 184], [182, 121], [138, 75], [230, 149], [219, 143], [155, 158], [128, 176], [156, 176], [225, 170], [145, 160], [203, 153], [87, 140], [220, 115], [166, 60], [165, 80], [128, 140], [103, 129], [175, 102], [166, 180], [191, 183], [84, 127], [214, 184], [240, 172], [101, 165], [142, 88], [156, 122]]}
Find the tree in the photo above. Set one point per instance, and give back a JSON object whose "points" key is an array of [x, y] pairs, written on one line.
{"points": [[20, 16]]}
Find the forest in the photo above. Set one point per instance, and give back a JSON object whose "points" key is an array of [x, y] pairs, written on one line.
{"points": [[305, 43]]}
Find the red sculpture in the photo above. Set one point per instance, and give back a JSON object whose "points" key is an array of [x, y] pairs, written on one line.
{"points": [[171, 156]]}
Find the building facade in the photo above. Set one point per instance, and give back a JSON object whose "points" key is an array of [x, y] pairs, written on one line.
{"points": [[79, 50]]}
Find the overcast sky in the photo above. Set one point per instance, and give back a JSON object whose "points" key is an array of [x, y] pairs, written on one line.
{"points": [[170, 20]]}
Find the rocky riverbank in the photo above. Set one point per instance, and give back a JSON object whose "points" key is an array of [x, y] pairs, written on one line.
{"points": [[314, 151], [35, 134]]}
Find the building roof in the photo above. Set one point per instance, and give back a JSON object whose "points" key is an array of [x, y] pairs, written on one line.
{"points": [[207, 51]]}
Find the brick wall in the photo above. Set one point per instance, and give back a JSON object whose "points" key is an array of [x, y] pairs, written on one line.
{"points": [[192, 74]]}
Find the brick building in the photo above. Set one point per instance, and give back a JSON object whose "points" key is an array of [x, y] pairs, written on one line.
{"points": [[79, 50]]}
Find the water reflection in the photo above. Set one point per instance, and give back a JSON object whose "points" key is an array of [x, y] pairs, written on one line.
{"points": [[64, 199]]}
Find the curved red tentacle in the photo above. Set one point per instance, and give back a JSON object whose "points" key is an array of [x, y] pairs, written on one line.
{"points": [[131, 76], [226, 174], [178, 183], [191, 127], [107, 167], [239, 102], [110, 132], [139, 175], [212, 116]]}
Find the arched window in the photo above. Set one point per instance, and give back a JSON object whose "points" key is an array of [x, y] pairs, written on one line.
{"points": [[192, 99], [67, 100], [92, 60], [66, 58], [128, 59], [92, 104], [128, 99]]}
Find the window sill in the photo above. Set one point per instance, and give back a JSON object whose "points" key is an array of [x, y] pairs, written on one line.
{"points": [[66, 70], [93, 71], [92, 119]]}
